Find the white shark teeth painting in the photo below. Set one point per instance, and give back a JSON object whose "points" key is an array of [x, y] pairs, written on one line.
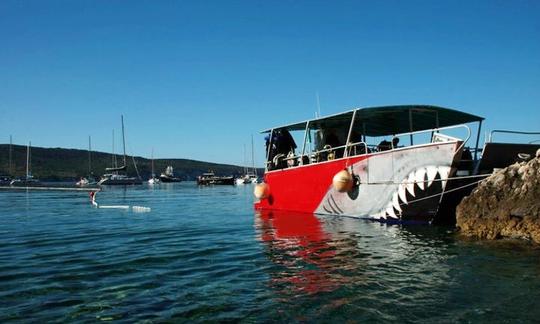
{"points": [[401, 185], [415, 179]]}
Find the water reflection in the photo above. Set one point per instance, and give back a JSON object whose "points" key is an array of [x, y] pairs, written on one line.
{"points": [[324, 254], [299, 244]]}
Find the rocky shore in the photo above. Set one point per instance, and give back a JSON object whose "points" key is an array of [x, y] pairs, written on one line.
{"points": [[506, 204]]}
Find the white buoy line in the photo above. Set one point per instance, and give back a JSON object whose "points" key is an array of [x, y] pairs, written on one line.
{"points": [[135, 209]]}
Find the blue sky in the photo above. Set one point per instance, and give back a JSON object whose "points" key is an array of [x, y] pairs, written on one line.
{"points": [[194, 79]]}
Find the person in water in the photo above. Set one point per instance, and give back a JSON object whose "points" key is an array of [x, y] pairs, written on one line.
{"points": [[93, 198]]}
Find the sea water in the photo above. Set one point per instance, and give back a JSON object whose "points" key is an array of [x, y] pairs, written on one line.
{"points": [[202, 254]]}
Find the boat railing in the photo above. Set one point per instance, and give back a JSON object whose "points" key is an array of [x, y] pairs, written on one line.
{"points": [[490, 138], [361, 148], [437, 136]]}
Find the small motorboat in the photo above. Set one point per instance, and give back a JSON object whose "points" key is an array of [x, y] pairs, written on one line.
{"points": [[209, 178], [340, 169], [86, 181], [5, 180], [168, 175]]}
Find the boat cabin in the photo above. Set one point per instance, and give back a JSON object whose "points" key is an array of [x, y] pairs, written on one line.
{"points": [[363, 131]]}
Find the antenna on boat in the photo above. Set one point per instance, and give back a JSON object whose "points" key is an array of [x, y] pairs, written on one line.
{"points": [[253, 157], [123, 139], [28, 160], [89, 155], [318, 112], [114, 162], [10, 150]]}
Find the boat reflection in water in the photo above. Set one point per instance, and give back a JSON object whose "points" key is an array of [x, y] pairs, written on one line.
{"points": [[340, 256], [298, 243]]}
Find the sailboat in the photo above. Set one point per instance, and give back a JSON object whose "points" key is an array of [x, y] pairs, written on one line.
{"points": [[243, 179], [114, 177], [153, 179], [90, 180], [29, 179], [250, 176]]}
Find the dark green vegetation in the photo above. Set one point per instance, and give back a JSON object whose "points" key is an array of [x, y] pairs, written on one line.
{"points": [[69, 164]]}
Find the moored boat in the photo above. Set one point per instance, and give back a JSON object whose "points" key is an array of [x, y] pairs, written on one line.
{"points": [[5, 180], [250, 176], [153, 179], [118, 175], [28, 180], [90, 180], [209, 178], [168, 175], [340, 169]]}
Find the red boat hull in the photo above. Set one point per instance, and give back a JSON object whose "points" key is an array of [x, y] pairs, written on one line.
{"points": [[402, 184]]}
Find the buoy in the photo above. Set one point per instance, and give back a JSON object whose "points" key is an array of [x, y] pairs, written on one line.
{"points": [[343, 181], [140, 209], [261, 191]]}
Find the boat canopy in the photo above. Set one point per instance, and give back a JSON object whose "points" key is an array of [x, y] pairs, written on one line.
{"points": [[389, 120]]}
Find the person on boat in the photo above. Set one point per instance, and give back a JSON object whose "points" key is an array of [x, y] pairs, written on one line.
{"points": [[329, 151], [356, 145], [285, 142], [282, 145], [386, 145]]}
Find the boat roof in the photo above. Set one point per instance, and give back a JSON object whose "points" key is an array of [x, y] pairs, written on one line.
{"points": [[388, 120]]}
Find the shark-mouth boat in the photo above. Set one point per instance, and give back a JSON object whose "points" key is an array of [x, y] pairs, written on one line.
{"points": [[340, 171]]}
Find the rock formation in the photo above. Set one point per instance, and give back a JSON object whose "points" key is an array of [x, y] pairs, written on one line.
{"points": [[506, 204]]}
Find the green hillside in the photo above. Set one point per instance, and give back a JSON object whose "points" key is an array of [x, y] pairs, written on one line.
{"points": [[70, 164]]}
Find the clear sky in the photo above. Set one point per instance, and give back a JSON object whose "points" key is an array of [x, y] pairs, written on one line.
{"points": [[194, 79]]}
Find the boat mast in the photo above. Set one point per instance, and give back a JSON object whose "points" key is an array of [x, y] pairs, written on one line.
{"points": [[114, 163], [28, 160], [253, 157], [89, 155], [318, 113], [123, 139], [10, 149], [153, 174], [245, 161]]}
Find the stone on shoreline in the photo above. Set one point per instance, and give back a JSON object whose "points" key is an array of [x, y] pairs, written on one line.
{"points": [[506, 204]]}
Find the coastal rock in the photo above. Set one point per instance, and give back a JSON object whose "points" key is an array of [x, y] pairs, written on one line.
{"points": [[506, 204]]}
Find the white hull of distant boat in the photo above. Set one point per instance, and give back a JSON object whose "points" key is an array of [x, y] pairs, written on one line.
{"points": [[84, 182], [168, 175], [118, 179], [153, 181]]}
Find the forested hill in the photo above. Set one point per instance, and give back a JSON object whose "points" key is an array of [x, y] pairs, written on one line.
{"points": [[70, 164]]}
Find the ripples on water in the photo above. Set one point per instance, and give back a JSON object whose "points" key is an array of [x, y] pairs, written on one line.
{"points": [[202, 254]]}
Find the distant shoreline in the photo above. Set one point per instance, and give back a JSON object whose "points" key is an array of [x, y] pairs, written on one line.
{"points": [[68, 165]]}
